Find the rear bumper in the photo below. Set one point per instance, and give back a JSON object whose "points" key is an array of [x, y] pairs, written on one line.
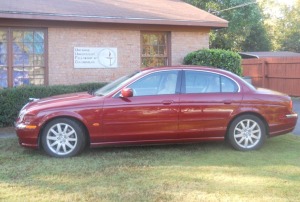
{"points": [[287, 125], [292, 116]]}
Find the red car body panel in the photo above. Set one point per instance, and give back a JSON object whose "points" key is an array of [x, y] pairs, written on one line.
{"points": [[144, 118], [171, 118], [202, 112]]}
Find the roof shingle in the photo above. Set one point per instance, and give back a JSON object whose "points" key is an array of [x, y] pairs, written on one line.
{"points": [[159, 12]]}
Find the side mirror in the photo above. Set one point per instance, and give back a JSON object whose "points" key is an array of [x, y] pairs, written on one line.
{"points": [[127, 92]]}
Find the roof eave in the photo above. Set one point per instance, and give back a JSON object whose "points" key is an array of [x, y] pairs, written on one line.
{"points": [[113, 19]]}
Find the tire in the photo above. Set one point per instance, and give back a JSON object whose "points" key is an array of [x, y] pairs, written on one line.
{"points": [[63, 137], [247, 132]]}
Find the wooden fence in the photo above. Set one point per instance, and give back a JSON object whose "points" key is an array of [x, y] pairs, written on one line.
{"points": [[280, 74]]}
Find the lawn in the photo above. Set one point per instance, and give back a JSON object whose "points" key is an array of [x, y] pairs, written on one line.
{"points": [[197, 172]]}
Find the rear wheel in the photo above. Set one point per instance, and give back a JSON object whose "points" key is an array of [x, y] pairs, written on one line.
{"points": [[247, 132], [63, 137]]}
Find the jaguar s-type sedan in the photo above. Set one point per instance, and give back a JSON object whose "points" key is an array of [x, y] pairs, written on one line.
{"points": [[154, 106]]}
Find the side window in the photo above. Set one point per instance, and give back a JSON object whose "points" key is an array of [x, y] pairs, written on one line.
{"points": [[228, 86], [156, 83], [214, 84], [204, 82], [201, 82]]}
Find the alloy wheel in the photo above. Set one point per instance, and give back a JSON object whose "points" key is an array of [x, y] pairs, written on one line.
{"points": [[61, 139], [247, 133]]}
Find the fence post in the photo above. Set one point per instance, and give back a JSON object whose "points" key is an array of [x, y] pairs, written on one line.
{"points": [[263, 73]]}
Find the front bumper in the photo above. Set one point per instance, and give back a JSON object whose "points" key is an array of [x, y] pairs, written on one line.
{"points": [[28, 137]]}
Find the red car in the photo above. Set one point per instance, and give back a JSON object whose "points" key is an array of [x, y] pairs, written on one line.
{"points": [[161, 105]]}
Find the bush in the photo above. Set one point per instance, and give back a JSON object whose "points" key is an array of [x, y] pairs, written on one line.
{"points": [[13, 99], [222, 59]]}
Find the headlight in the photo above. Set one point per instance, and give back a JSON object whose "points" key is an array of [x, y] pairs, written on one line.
{"points": [[25, 121], [27, 118], [22, 114]]}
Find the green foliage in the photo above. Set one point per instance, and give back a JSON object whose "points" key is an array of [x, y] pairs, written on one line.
{"points": [[257, 40], [245, 32], [222, 59], [282, 24], [12, 99], [291, 43], [288, 28]]}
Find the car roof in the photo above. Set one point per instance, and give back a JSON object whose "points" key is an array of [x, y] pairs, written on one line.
{"points": [[189, 67]]}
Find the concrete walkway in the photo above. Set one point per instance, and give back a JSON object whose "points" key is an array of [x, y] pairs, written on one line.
{"points": [[9, 132]]}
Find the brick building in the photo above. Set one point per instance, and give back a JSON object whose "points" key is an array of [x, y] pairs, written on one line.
{"points": [[75, 41]]}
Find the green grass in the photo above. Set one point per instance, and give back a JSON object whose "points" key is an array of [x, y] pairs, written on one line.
{"points": [[197, 172]]}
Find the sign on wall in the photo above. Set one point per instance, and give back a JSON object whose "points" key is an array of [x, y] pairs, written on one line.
{"points": [[86, 57]]}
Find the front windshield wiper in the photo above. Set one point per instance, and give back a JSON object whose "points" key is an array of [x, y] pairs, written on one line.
{"points": [[91, 92], [97, 94]]}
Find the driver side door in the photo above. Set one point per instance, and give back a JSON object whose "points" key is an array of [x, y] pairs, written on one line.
{"points": [[149, 115]]}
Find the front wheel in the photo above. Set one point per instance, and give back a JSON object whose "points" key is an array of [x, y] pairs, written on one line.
{"points": [[63, 137], [247, 132]]}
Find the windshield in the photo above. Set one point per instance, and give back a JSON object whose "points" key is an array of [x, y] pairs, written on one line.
{"points": [[113, 85]]}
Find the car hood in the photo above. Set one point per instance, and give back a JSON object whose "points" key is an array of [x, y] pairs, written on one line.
{"points": [[60, 101]]}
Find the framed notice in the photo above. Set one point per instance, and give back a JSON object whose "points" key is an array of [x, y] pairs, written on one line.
{"points": [[86, 57]]}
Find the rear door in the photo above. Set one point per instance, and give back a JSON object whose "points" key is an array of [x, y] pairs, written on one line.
{"points": [[206, 104]]}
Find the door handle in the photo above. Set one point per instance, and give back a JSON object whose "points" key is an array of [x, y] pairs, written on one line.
{"points": [[227, 101], [167, 102]]}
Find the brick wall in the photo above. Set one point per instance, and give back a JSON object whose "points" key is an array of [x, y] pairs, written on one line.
{"points": [[61, 43], [61, 54], [186, 42]]}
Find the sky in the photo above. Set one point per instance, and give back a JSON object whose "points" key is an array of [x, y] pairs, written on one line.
{"points": [[287, 2], [274, 9]]}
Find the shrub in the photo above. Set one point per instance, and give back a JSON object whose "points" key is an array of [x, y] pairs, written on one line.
{"points": [[13, 99], [222, 59]]}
